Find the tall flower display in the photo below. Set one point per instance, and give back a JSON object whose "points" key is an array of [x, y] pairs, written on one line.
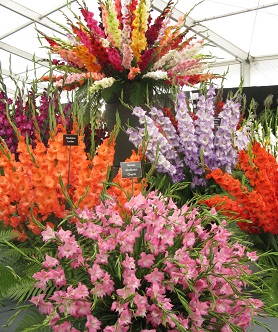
{"points": [[115, 256], [194, 142], [37, 182], [29, 115], [256, 203], [249, 197], [125, 57], [127, 49]]}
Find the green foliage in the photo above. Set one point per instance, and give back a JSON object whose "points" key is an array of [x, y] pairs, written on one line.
{"points": [[6, 234], [17, 285], [268, 118], [8, 277], [115, 90], [180, 192], [266, 243], [91, 103], [270, 290], [22, 290], [138, 93], [32, 322], [16, 268], [27, 319]]}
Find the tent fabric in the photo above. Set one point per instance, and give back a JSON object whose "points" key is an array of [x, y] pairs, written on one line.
{"points": [[240, 34]]}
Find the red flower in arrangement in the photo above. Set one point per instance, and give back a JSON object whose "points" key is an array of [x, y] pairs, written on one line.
{"points": [[218, 107], [126, 37], [170, 115], [258, 204]]}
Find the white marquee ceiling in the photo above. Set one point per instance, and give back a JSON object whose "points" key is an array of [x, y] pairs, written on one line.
{"points": [[243, 34]]}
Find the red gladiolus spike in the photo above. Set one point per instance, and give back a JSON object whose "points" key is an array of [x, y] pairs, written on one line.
{"points": [[51, 42]]}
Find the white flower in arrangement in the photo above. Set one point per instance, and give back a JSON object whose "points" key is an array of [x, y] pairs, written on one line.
{"points": [[104, 83], [157, 75], [164, 61], [271, 143], [242, 136], [272, 139], [259, 133], [148, 5], [267, 139], [105, 43]]}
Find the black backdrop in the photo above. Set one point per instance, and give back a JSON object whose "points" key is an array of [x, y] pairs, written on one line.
{"points": [[259, 94]]}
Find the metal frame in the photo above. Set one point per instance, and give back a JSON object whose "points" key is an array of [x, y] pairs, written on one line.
{"points": [[240, 57]]}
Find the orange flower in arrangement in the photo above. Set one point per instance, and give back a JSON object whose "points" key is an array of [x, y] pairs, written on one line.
{"points": [[34, 193], [92, 178], [31, 192], [258, 204], [127, 47]]}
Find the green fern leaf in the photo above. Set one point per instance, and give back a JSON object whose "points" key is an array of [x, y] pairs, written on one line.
{"points": [[33, 322], [30, 269], [138, 93], [22, 290], [28, 319], [7, 235], [270, 294], [90, 102], [7, 278], [108, 94]]}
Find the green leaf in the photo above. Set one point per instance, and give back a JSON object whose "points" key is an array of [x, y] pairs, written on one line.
{"points": [[183, 300], [138, 93], [22, 290], [8, 277], [112, 92], [30, 320]]}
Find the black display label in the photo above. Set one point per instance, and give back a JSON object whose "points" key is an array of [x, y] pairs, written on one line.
{"points": [[69, 139], [217, 122], [131, 169]]}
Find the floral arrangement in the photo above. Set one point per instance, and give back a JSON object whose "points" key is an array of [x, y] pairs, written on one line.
{"points": [[249, 197], [30, 115], [127, 50], [256, 203], [149, 267], [37, 183], [98, 255], [194, 142]]}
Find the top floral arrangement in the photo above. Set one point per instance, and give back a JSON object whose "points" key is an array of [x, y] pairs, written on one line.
{"points": [[128, 46]]}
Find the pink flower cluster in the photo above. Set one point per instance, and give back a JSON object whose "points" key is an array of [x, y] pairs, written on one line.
{"points": [[152, 266]]}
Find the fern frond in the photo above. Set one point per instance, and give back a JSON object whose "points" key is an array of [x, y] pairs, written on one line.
{"points": [[138, 94], [30, 269], [112, 91], [7, 277], [91, 103], [15, 258], [270, 294], [27, 318], [81, 93], [7, 235], [22, 290], [32, 321]]}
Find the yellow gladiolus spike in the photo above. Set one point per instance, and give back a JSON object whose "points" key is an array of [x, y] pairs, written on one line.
{"points": [[140, 25]]}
